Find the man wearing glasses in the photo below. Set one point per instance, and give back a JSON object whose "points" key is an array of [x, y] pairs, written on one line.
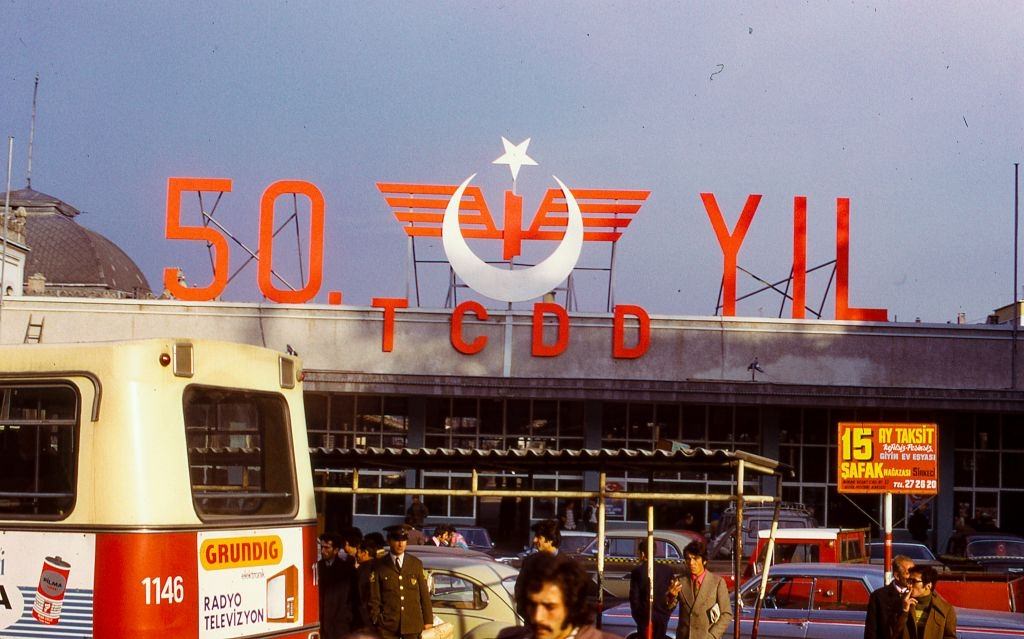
{"points": [[925, 614], [885, 603]]}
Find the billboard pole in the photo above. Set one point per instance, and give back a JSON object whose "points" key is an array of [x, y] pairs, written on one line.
{"points": [[887, 522]]}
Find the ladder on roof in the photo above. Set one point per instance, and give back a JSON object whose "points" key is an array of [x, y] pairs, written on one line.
{"points": [[34, 330]]}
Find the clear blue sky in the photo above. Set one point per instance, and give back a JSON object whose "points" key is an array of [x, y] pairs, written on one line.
{"points": [[913, 110]]}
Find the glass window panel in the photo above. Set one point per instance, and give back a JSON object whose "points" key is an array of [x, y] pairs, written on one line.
{"points": [[545, 419], [1012, 479], [694, 425], [343, 409], [437, 505], [368, 413], [748, 425], [368, 504], [396, 415], [963, 471], [570, 419], [492, 416], [239, 453], [641, 425], [816, 426], [720, 424], [392, 504], [1013, 432], [436, 415], [815, 465], [789, 425], [666, 421], [462, 506], [986, 470], [463, 421], [986, 431], [438, 441], [316, 411], [518, 417], [963, 430], [544, 507], [613, 421]]}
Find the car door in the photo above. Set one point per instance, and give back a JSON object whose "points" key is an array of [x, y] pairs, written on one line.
{"points": [[838, 609], [784, 614], [458, 600]]}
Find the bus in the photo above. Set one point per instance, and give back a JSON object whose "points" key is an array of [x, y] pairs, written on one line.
{"points": [[155, 488]]}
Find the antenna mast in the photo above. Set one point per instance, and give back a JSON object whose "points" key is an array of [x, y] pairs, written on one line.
{"points": [[32, 131]]}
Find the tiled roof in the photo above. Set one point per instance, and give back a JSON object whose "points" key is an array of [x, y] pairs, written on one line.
{"points": [[67, 253], [32, 199]]}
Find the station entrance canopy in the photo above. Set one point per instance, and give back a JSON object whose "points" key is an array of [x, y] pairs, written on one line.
{"points": [[530, 461]]}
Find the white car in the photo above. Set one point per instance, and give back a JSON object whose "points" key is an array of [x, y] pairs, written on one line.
{"points": [[474, 595]]}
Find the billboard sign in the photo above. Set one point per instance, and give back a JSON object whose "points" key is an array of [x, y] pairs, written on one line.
{"points": [[900, 458]]}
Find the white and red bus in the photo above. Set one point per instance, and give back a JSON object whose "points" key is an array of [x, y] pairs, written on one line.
{"points": [[158, 488]]}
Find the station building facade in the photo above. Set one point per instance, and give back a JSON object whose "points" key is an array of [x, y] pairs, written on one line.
{"points": [[694, 384]]}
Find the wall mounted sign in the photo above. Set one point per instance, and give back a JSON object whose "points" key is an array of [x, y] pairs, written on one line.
{"points": [[888, 458]]}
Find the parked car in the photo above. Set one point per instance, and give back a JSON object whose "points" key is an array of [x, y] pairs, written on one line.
{"points": [[921, 554], [448, 551], [818, 545], [755, 519], [620, 555], [573, 542], [823, 601], [477, 537], [474, 595], [991, 552]]}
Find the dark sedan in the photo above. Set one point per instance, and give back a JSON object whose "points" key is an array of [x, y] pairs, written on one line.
{"points": [[824, 601], [991, 552]]}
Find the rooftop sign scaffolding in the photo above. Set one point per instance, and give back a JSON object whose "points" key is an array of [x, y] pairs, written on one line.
{"points": [[531, 461]]}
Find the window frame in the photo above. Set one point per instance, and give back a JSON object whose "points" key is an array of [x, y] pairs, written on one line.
{"points": [[289, 454], [7, 385]]}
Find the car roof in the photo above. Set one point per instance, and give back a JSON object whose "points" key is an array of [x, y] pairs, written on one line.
{"points": [[993, 537], [447, 551], [578, 533], [823, 569], [471, 566], [807, 533], [669, 535]]}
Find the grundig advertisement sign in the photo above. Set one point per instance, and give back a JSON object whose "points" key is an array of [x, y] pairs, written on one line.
{"points": [[569, 215], [888, 458]]}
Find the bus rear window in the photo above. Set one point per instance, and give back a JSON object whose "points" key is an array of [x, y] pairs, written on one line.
{"points": [[239, 453], [38, 438]]}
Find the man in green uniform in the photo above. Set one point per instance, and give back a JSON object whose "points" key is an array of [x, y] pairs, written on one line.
{"points": [[399, 603]]}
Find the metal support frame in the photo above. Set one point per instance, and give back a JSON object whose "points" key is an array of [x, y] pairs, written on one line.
{"points": [[601, 495], [784, 293]]}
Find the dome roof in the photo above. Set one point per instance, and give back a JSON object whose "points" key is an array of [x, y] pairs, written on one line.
{"points": [[73, 259]]}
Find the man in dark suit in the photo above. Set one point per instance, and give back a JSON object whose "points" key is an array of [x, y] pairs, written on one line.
{"points": [[399, 598], [886, 603], [640, 595], [365, 557], [704, 609], [335, 579]]}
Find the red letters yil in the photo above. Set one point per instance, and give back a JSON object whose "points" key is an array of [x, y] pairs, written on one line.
{"points": [[643, 340], [730, 243], [843, 309], [461, 345], [540, 349], [389, 304]]}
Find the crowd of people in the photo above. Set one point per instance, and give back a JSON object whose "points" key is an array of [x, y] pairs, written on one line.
{"points": [[370, 586]]}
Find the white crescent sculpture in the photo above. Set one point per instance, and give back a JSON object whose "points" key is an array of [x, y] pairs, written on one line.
{"points": [[511, 285]]}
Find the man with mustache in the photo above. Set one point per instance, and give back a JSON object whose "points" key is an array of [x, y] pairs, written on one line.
{"points": [[555, 601]]}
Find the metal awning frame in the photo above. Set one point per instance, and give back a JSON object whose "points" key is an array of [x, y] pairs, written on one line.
{"points": [[528, 461]]}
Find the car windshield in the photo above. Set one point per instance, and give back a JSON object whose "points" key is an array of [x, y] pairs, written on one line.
{"points": [[916, 552], [996, 548], [574, 543], [510, 584], [476, 537]]}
